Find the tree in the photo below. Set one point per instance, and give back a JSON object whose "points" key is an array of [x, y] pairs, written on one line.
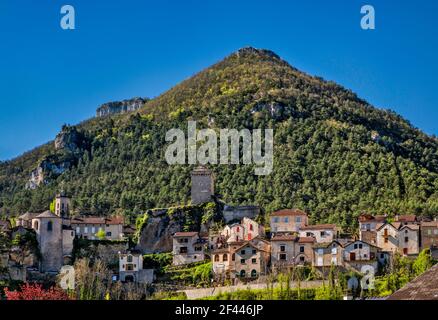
{"points": [[422, 263], [36, 292], [101, 234]]}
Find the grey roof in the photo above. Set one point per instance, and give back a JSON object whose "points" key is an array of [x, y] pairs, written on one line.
{"points": [[28, 215], [424, 287], [47, 214]]}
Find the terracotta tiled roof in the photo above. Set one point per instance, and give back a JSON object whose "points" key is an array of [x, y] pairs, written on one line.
{"points": [[407, 218], [306, 240], [185, 234], [288, 212], [430, 224], [28, 216], [97, 220], [424, 287], [47, 214], [284, 237], [371, 218], [319, 226]]}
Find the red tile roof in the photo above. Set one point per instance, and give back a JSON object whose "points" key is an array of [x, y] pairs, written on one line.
{"points": [[429, 224], [407, 218], [289, 212], [368, 218], [306, 240], [185, 234], [318, 227], [284, 237], [97, 220]]}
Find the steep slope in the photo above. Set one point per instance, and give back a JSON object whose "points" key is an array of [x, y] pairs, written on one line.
{"points": [[335, 155]]}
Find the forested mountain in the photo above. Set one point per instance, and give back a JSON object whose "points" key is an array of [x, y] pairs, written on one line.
{"points": [[335, 155]]}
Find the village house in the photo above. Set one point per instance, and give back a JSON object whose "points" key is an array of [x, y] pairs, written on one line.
{"points": [[323, 233], [398, 237], [246, 230], [131, 268], [288, 220], [429, 235], [358, 253], [25, 220], [328, 254], [289, 250], [252, 259], [188, 247], [89, 227], [367, 227]]}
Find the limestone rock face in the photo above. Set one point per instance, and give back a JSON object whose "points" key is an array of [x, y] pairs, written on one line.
{"points": [[68, 139], [115, 107]]}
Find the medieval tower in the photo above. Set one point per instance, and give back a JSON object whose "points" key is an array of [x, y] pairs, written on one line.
{"points": [[48, 228], [62, 205], [202, 185]]}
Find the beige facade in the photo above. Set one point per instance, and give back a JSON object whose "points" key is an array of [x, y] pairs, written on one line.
{"points": [[188, 247], [323, 233], [89, 227], [398, 237], [288, 220], [367, 227], [246, 230], [252, 259], [328, 254], [429, 234], [289, 250]]}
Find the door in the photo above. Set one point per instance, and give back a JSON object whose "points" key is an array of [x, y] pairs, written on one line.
{"points": [[352, 256]]}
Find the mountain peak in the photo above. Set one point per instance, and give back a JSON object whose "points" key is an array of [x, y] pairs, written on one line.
{"points": [[259, 52]]}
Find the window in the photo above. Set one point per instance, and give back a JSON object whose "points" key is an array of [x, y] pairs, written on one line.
{"points": [[85, 229], [36, 225], [198, 248], [251, 227], [301, 258], [286, 220], [253, 261], [242, 261], [355, 246], [334, 250], [225, 257], [406, 239], [238, 229], [385, 232], [242, 252], [93, 229], [183, 250], [253, 273], [368, 227], [233, 257], [323, 234], [242, 273], [129, 267], [72, 234], [298, 219], [435, 231], [301, 249], [429, 232], [216, 258], [276, 220], [282, 248], [78, 230], [386, 240], [50, 226], [360, 246], [282, 256], [254, 251], [249, 236], [129, 258]]}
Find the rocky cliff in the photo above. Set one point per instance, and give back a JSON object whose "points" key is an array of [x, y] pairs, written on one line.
{"points": [[115, 107]]}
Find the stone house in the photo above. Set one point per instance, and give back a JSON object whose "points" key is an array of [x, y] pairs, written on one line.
{"points": [[25, 220], [328, 254], [398, 237], [289, 250], [251, 259], [323, 233], [131, 268], [359, 253], [367, 227], [429, 234], [88, 227], [246, 230], [188, 247], [288, 220]]}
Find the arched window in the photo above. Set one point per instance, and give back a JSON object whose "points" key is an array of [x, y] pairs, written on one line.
{"points": [[35, 225], [216, 258], [253, 273], [49, 226], [242, 273], [251, 227], [233, 257], [225, 257]]}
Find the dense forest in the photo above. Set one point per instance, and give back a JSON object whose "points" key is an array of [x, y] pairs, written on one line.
{"points": [[335, 155]]}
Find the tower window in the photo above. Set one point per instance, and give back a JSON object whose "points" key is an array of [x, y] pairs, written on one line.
{"points": [[50, 226]]}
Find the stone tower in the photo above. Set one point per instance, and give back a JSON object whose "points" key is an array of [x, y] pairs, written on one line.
{"points": [[62, 205], [202, 185], [48, 228]]}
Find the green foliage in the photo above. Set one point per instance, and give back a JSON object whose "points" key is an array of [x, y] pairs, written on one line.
{"points": [[199, 275], [334, 154], [101, 235], [422, 263], [157, 261]]}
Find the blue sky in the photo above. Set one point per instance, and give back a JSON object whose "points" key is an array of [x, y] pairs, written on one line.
{"points": [[122, 49]]}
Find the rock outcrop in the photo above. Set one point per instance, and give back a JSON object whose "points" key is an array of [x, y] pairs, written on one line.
{"points": [[115, 107]]}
